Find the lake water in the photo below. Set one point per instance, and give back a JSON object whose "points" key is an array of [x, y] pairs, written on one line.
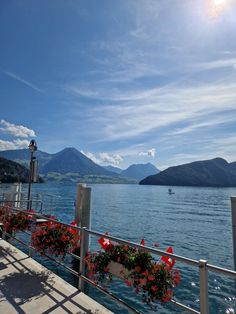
{"points": [[196, 222]]}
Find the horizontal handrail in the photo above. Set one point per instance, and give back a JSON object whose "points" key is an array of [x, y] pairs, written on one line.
{"points": [[160, 252], [221, 270], [184, 307], [46, 218], [147, 248]]}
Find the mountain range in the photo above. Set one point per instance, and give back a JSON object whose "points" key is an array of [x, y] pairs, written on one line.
{"points": [[71, 165], [135, 171], [216, 172]]}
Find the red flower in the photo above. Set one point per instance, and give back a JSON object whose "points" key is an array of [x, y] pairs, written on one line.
{"points": [[168, 296], [129, 283], [137, 269], [73, 230], [151, 277], [168, 260], [143, 282], [176, 278], [105, 243], [142, 242], [126, 248]]}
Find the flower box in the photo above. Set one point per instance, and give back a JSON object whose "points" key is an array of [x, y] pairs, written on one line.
{"points": [[118, 270], [55, 238], [154, 279]]}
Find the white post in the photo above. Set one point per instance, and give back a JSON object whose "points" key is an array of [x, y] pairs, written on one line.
{"points": [[233, 211], [16, 194], [82, 218], [82, 205], [203, 286]]}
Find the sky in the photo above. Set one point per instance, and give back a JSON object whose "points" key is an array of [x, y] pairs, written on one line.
{"points": [[123, 81]]}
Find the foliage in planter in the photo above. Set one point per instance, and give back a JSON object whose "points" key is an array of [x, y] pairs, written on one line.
{"points": [[154, 279], [2, 213], [16, 221], [55, 238]]}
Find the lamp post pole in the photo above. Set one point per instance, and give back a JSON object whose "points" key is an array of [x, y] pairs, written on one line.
{"points": [[32, 148]]}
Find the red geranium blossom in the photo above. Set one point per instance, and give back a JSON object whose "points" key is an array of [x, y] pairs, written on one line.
{"points": [[168, 260]]}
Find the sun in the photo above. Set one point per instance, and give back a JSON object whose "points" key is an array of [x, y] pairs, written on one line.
{"points": [[219, 2], [216, 7]]}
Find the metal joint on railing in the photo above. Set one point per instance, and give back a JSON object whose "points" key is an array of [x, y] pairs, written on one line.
{"points": [[203, 272]]}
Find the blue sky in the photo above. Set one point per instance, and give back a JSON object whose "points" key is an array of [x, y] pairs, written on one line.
{"points": [[126, 81]]}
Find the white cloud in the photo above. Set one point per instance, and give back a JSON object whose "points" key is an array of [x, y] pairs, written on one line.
{"points": [[104, 158], [16, 130], [110, 159], [150, 152], [91, 156], [16, 144]]}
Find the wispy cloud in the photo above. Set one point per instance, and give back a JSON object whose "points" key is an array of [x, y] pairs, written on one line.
{"points": [[16, 130], [210, 121], [27, 83], [131, 114], [215, 64]]}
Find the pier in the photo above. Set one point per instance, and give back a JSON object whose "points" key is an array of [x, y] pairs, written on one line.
{"points": [[28, 287]]}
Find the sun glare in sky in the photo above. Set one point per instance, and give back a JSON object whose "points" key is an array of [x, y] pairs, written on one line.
{"points": [[216, 7]]}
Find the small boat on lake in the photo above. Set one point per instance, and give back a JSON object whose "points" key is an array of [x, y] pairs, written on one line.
{"points": [[170, 191]]}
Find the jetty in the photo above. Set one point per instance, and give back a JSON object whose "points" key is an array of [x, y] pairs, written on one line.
{"points": [[28, 287]]}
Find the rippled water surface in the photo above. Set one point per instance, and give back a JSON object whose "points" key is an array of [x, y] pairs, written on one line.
{"points": [[195, 221]]}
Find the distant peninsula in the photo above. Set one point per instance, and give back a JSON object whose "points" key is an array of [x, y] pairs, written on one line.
{"points": [[207, 173], [11, 172]]}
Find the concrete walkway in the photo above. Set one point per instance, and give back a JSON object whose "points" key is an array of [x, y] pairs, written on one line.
{"points": [[28, 287]]}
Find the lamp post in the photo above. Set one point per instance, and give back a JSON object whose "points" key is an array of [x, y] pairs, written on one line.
{"points": [[32, 148]]}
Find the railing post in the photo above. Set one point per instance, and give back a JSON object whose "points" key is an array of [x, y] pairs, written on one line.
{"points": [[82, 257], [16, 194], [203, 286], [82, 210], [233, 211]]}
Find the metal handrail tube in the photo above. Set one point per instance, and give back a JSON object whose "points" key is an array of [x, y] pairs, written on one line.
{"points": [[26, 202], [46, 218], [109, 294], [147, 248], [73, 255], [221, 270], [72, 271], [18, 240], [184, 307], [22, 201]]}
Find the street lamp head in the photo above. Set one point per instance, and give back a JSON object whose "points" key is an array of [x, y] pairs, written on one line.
{"points": [[32, 146]]}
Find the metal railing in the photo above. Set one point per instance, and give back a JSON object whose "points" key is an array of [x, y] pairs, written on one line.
{"points": [[23, 204], [85, 233]]}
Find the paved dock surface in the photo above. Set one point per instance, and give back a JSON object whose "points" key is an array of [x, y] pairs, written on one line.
{"points": [[28, 287]]}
